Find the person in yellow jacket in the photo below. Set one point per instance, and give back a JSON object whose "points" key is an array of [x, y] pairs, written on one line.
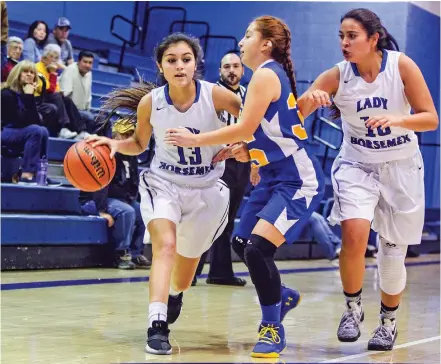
{"points": [[69, 120]]}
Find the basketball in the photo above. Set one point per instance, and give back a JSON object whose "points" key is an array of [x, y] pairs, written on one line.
{"points": [[89, 168]]}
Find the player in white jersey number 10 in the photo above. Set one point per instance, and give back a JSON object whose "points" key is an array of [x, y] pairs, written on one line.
{"points": [[378, 176]]}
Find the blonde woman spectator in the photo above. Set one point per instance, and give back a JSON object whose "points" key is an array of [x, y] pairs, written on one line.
{"points": [[21, 129]]}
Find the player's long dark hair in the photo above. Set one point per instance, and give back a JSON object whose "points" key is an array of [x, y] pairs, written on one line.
{"points": [[372, 25], [278, 33], [127, 99]]}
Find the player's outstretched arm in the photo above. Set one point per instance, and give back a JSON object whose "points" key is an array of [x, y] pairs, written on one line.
{"points": [[263, 89]]}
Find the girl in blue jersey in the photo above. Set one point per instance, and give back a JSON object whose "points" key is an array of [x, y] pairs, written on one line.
{"points": [[292, 182]]}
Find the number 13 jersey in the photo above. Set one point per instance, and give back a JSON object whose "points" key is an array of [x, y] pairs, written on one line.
{"points": [[359, 100], [189, 167]]}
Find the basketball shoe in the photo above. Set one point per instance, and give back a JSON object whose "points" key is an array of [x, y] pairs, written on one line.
{"points": [[271, 340], [157, 339]]}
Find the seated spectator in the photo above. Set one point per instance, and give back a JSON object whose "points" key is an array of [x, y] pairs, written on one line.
{"points": [[324, 236], [70, 123], [76, 83], [118, 204], [36, 41], [59, 37], [15, 49], [21, 132]]}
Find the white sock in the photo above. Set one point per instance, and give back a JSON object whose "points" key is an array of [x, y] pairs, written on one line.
{"points": [[157, 312], [174, 293]]}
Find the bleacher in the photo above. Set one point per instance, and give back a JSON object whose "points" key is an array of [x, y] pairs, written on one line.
{"points": [[42, 226]]}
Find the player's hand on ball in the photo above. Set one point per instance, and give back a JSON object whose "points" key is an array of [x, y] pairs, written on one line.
{"points": [[96, 140], [240, 152], [181, 137]]}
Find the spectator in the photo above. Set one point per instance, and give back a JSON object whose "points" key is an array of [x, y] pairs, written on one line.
{"points": [[70, 123], [324, 237], [118, 204], [76, 83], [59, 37], [21, 132], [15, 49], [36, 41], [5, 31]]}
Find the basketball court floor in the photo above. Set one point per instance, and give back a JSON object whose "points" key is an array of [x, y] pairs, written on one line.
{"points": [[100, 315]]}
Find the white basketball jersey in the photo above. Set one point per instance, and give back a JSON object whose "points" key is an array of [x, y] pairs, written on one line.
{"points": [[190, 167], [359, 100]]}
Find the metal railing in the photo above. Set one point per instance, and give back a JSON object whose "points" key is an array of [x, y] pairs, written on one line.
{"points": [[205, 38], [134, 38], [183, 23], [149, 11]]}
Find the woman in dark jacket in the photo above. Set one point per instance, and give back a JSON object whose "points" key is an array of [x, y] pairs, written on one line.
{"points": [[20, 121]]}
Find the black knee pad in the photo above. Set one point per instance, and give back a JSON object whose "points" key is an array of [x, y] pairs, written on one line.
{"points": [[239, 244], [258, 248], [259, 257]]}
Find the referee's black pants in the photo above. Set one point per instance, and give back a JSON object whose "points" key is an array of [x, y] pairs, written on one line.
{"points": [[237, 177]]}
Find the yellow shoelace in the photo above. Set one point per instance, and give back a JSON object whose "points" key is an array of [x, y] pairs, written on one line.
{"points": [[273, 331]]}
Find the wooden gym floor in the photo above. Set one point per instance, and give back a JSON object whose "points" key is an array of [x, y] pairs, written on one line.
{"points": [[100, 316]]}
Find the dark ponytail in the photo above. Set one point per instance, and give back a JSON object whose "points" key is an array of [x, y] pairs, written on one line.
{"points": [[125, 100], [387, 41]]}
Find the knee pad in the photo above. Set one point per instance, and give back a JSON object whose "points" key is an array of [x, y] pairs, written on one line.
{"points": [[258, 250], [259, 257], [238, 244], [391, 268]]}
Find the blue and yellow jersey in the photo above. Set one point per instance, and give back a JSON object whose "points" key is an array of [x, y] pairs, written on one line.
{"points": [[281, 132]]}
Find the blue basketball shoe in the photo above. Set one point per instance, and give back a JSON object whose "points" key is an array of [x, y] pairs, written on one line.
{"points": [[271, 341]]}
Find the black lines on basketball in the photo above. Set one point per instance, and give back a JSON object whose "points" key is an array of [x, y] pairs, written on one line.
{"points": [[85, 166]]}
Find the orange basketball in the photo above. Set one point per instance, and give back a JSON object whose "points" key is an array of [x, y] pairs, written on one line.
{"points": [[87, 168]]}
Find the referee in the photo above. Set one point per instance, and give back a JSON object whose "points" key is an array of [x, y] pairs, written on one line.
{"points": [[236, 176]]}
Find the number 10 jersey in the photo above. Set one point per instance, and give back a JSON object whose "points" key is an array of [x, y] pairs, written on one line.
{"points": [[359, 100]]}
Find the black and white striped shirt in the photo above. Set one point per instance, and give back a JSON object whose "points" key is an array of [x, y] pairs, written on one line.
{"points": [[226, 117]]}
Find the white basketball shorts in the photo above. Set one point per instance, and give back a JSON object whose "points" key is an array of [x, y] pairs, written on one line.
{"points": [[200, 214], [389, 194]]}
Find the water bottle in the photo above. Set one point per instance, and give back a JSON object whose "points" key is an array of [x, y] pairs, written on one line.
{"points": [[42, 173]]}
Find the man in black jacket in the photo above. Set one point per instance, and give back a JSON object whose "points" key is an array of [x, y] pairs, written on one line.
{"points": [[118, 204]]}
